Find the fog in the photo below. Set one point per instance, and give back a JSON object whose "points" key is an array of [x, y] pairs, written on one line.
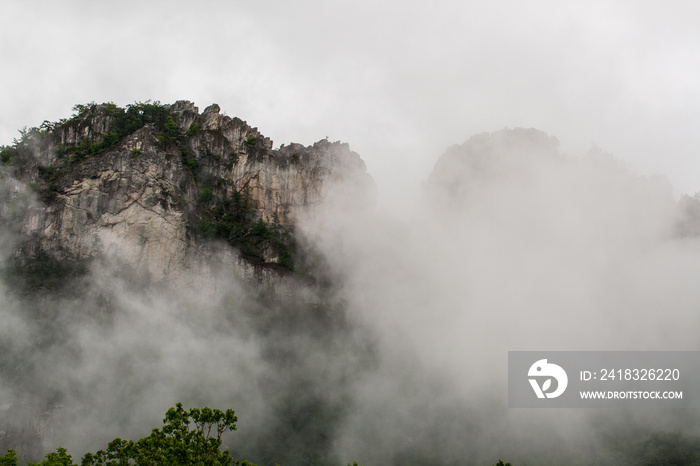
{"points": [[515, 247], [399, 81], [393, 348]]}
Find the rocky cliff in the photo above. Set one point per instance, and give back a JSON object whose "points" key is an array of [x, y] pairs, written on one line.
{"points": [[156, 186]]}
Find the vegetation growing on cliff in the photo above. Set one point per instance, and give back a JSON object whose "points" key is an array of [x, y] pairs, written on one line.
{"points": [[42, 271], [231, 219], [120, 122], [221, 211]]}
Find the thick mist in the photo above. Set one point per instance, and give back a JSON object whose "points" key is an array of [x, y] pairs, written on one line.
{"points": [[515, 247], [390, 344], [101, 351]]}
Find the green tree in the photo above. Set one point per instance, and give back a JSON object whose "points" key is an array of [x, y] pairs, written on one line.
{"points": [[187, 438], [169, 134], [194, 129], [59, 458], [206, 195], [9, 458]]}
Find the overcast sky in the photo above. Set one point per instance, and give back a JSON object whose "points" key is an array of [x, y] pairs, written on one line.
{"points": [[400, 81]]}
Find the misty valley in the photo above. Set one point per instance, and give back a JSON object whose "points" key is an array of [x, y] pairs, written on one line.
{"points": [[155, 260]]}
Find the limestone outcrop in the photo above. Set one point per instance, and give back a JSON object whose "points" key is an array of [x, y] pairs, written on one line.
{"points": [[157, 185]]}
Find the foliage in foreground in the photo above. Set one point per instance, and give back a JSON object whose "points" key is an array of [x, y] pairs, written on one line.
{"points": [[194, 438], [187, 438]]}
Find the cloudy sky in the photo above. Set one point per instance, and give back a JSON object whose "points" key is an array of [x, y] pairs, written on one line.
{"points": [[399, 81]]}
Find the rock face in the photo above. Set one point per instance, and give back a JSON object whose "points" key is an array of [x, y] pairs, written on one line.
{"points": [[155, 186]]}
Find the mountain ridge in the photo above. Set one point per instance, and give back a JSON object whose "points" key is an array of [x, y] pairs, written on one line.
{"points": [[156, 184]]}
